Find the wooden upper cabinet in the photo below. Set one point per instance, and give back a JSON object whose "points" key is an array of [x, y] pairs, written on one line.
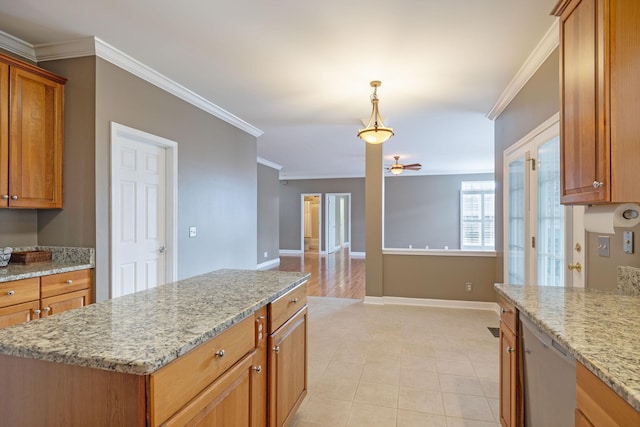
{"points": [[31, 136], [599, 83]]}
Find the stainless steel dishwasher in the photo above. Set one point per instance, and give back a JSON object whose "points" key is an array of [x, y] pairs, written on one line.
{"points": [[549, 379]]}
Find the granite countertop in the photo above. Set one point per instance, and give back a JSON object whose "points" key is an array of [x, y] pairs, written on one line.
{"points": [[141, 332], [63, 260], [600, 328]]}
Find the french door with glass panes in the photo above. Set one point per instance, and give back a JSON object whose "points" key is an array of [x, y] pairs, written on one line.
{"points": [[538, 230]]}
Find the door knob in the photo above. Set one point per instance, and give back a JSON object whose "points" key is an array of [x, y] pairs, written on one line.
{"points": [[162, 249], [577, 267]]}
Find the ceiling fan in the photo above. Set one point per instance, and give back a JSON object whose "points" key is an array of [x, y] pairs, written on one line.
{"points": [[398, 168]]}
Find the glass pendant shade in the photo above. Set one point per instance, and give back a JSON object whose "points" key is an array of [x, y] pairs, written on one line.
{"points": [[375, 132], [396, 169]]}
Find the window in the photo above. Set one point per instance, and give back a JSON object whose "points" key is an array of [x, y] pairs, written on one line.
{"points": [[477, 219]]}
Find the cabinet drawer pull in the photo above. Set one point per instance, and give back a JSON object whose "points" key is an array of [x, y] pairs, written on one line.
{"points": [[504, 310], [14, 197], [69, 282], [276, 349], [5, 197], [11, 293], [47, 309], [597, 184], [510, 350], [219, 353], [37, 312], [258, 369], [294, 300]]}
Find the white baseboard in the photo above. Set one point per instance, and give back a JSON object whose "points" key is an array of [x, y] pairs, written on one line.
{"points": [[426, 302], [291, 252], [357, 254], [268, 264]]}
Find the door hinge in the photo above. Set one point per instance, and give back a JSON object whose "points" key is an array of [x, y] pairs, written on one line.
{"points": [[532, 161], [533, 241]]}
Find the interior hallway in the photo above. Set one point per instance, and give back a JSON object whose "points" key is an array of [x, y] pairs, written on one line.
{"points": [[333, 275]]}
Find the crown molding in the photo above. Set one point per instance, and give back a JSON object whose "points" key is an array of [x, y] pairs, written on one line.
{"points": [[89, 46], [540, 54], [269, 163], [19, 47]]}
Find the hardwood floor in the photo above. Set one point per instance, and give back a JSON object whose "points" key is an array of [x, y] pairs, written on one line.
{"points": [[334, 275]]}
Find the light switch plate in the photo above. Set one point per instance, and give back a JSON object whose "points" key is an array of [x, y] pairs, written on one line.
{"points": [[603, 246], [627, 242], [192, 231]]}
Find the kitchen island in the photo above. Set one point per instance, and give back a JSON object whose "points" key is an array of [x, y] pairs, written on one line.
{"points": [[601, 329], [111, 361]]}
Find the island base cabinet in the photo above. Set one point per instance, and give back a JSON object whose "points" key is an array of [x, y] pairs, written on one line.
{"points": [[287, 369], [510, 412]]}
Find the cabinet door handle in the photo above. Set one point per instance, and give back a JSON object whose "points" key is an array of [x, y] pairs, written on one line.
{"points": [[11, 293], [219, 353], [258, 369], [47, 309], [5, 197], [294, 300], [37, 312], [14, 197], [597, 184], [510, 350], [69, 282], [276, 349], [504, 310]]}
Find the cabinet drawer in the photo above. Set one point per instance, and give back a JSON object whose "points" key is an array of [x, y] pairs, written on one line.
{"points": [[172, 386], [19, 291], [508, 314], [19, 313], [62, 283], [286, 306]]}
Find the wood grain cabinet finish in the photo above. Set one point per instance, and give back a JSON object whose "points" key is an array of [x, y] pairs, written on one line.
{"points": [[599, 84], [509, 354], [288, 358], [19, 301], [31, 136]]}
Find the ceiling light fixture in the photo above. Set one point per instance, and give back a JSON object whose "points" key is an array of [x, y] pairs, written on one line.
{"points": [[375, 132]]}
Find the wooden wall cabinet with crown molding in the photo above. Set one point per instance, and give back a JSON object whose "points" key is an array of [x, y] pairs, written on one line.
{"points": [[31, 136], [599, 88]]}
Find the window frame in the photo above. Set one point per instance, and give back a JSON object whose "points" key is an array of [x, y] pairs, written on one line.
{"points": [[484, 190]]}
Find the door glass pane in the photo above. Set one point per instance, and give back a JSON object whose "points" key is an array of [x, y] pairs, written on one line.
{"points": [[550, 216], [515, 268]]}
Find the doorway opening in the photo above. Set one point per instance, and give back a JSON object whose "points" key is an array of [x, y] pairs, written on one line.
{"points": [[338, 221], [311, 235]]}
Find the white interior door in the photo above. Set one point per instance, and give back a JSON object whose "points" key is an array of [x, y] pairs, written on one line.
{"points": [[331, 223], [139, 201]]}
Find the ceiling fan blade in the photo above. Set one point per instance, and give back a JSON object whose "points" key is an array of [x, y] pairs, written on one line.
{"points": [[413, 165]]}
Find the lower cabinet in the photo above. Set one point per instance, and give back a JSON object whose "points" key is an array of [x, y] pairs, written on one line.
{"points": [[287, 369], [19, 301], [509, 354]]}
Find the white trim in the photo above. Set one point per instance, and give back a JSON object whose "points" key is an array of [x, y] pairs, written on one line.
{"points": [[17, 46], [357, 254], [524, 141], [171, 202], [269, 163], [540, 54], [89, 46], [291, 252], [426, 302], [320, 218], [268, 264], [438, 252]]}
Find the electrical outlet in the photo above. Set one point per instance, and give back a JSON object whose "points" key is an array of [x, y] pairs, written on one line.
{"points": [[627, 242], [469, 287], [266, 254], [603, 246], [192, 232]]}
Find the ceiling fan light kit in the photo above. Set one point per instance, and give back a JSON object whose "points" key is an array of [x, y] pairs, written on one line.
{"points": [[397, 168], [375, 132]]}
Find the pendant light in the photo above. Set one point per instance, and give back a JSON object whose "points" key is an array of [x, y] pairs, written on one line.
{"points": [[375, 132]]}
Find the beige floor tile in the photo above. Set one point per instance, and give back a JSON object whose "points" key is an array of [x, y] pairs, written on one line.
{"points": [[324, 412], [494, 404], [491, 388], [377, 394], [456, 367], [466, 406], [336, 388], [383, 373], [419, 379], [363, 415], [487, 370], [461, 385], [419, 419], [412, 399], [339, 369], [459, 422], [424, 363]]}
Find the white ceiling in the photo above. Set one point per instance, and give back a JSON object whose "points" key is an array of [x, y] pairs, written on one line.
{"points": [[300, 70]]}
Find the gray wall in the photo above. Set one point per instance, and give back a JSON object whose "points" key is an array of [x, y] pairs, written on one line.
{"points": [[536, 102], [424, 210], [217, 174], [268, 214], [290, 192]]}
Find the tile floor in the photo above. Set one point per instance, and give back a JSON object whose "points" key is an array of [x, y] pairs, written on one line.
{"points": [[399, 366]]}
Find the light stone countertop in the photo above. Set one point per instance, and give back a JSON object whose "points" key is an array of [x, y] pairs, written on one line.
{"points": [[63, 260], [601, 329], [141, 332]]}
